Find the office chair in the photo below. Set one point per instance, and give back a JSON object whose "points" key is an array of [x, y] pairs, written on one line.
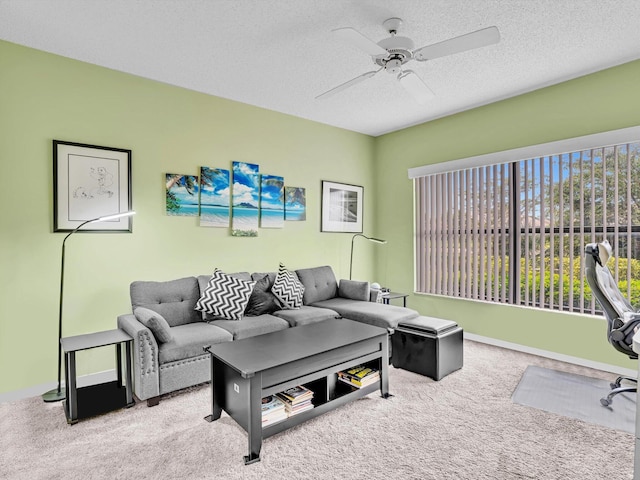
{"points": [[622, 319]]}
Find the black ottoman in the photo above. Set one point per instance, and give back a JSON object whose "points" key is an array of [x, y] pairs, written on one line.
{"points": [[428, 346]]}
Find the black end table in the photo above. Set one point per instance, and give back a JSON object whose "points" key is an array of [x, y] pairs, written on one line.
{"points": [[388, 296], [104, 397]]}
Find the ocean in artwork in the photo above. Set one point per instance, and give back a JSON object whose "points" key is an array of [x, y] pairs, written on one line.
{"points": [[271, 218], [295, 207], [246, 191], [272, 201], [182, 194], [214, 197], [214, 216]]}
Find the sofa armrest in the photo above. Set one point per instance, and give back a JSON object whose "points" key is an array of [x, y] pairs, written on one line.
{"points": [[375, 295], [146, 378]]}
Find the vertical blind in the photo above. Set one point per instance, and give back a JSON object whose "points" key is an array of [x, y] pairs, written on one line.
{"points": [[516, 232]]}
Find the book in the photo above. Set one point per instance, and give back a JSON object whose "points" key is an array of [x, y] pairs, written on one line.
{"points": [[299, 408], [271, 403], [356, 384], [295, 395], [273, 410], [359, 376]]}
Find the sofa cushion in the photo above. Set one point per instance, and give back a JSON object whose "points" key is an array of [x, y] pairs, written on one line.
{"points": [[154, 322], [225, 296], [287, 288], [189, 341], [354, 290], [306, 315], [174, 300], [378, 314], [258, 275], [319, 284], [262, 300], [251, 326]]}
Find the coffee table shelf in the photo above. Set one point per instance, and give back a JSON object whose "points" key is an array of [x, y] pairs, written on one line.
{"points": [[245, 371]]}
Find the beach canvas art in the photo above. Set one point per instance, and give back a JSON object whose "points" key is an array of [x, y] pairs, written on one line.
{"points": [[246, 196], [214, 197], [295, 204], [182, 194], [271, 201]]}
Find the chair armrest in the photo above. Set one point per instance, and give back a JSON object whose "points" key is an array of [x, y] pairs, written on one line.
{"points": [[624, 328], [146, 377]]}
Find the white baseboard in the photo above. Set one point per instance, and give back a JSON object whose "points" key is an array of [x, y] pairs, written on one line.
{"points": [[82, 381], [553, 355]]}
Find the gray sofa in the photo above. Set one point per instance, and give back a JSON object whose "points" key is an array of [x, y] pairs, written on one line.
{"points": [[173, 358]]}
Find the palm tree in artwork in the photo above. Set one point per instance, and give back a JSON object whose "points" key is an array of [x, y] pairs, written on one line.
{"points": [[296, 196], [271, 181], [207, 175], [186, 181]]}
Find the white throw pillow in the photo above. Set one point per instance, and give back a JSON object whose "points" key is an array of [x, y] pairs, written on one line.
{"points": [[288, 289], [225, 296]]}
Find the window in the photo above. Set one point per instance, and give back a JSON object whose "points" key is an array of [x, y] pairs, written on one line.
{"points": [[515, 232]]}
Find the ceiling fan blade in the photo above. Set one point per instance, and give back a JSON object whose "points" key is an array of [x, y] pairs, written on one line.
{"points": [[469, 41], [348, 84], [413, 84], [352, 36]]}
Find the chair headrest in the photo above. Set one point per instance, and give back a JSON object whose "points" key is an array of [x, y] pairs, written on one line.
{"points": [[601, 252]]}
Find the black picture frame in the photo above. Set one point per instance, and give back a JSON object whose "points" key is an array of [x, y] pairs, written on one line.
{"points": [[90, 181], [342, 207]]}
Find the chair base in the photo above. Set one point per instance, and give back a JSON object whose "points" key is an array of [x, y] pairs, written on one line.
{"points": [[617, 388]]}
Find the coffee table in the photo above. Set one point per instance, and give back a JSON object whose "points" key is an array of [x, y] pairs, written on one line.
{"points": [[244, 371]]}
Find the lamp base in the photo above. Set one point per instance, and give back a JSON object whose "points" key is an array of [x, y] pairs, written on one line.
{"points": [[54, 395]]}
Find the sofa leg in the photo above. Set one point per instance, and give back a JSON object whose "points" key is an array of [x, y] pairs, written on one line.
{"points": [[153, 401]]}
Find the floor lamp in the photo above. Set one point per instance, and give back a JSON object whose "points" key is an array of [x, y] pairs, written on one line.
{"points": [[371, 239], [59, 393]]}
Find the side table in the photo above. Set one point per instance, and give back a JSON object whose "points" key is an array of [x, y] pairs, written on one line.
{"points": [[104, 397], [388, 296]]}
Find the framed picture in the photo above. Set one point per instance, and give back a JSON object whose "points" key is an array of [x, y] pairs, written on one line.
{"points": [[341, 207], [89, 182]]}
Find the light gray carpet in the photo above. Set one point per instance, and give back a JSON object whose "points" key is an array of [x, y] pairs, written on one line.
{"points": [[464, 427], [575, 396]]}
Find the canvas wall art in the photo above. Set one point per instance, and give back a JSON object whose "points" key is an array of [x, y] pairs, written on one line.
{"points": [[246, 196], [295, 204], [182, 194], [214, 197], [271, 201]]}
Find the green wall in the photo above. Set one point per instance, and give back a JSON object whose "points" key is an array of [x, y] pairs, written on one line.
{"points": [[168, 129], [603, 101]]}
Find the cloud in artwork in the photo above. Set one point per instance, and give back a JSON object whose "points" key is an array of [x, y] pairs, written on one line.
{"points": [[244, 194]]}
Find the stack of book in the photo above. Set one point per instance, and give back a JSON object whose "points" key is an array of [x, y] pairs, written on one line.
{"points": [[359, 376], [296, 400], [273, 410]]}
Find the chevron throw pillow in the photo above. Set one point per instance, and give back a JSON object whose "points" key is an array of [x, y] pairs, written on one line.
{"points": [[288, 289], [225, 296]]}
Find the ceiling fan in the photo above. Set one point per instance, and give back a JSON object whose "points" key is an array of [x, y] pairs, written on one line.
{"points": [[392, 53]]}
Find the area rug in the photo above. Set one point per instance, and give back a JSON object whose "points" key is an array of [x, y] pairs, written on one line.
{"points": [[464, 427], [575, 396]]}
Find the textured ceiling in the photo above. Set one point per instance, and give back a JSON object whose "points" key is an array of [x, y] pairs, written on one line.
{"points": [[280, 54]]}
